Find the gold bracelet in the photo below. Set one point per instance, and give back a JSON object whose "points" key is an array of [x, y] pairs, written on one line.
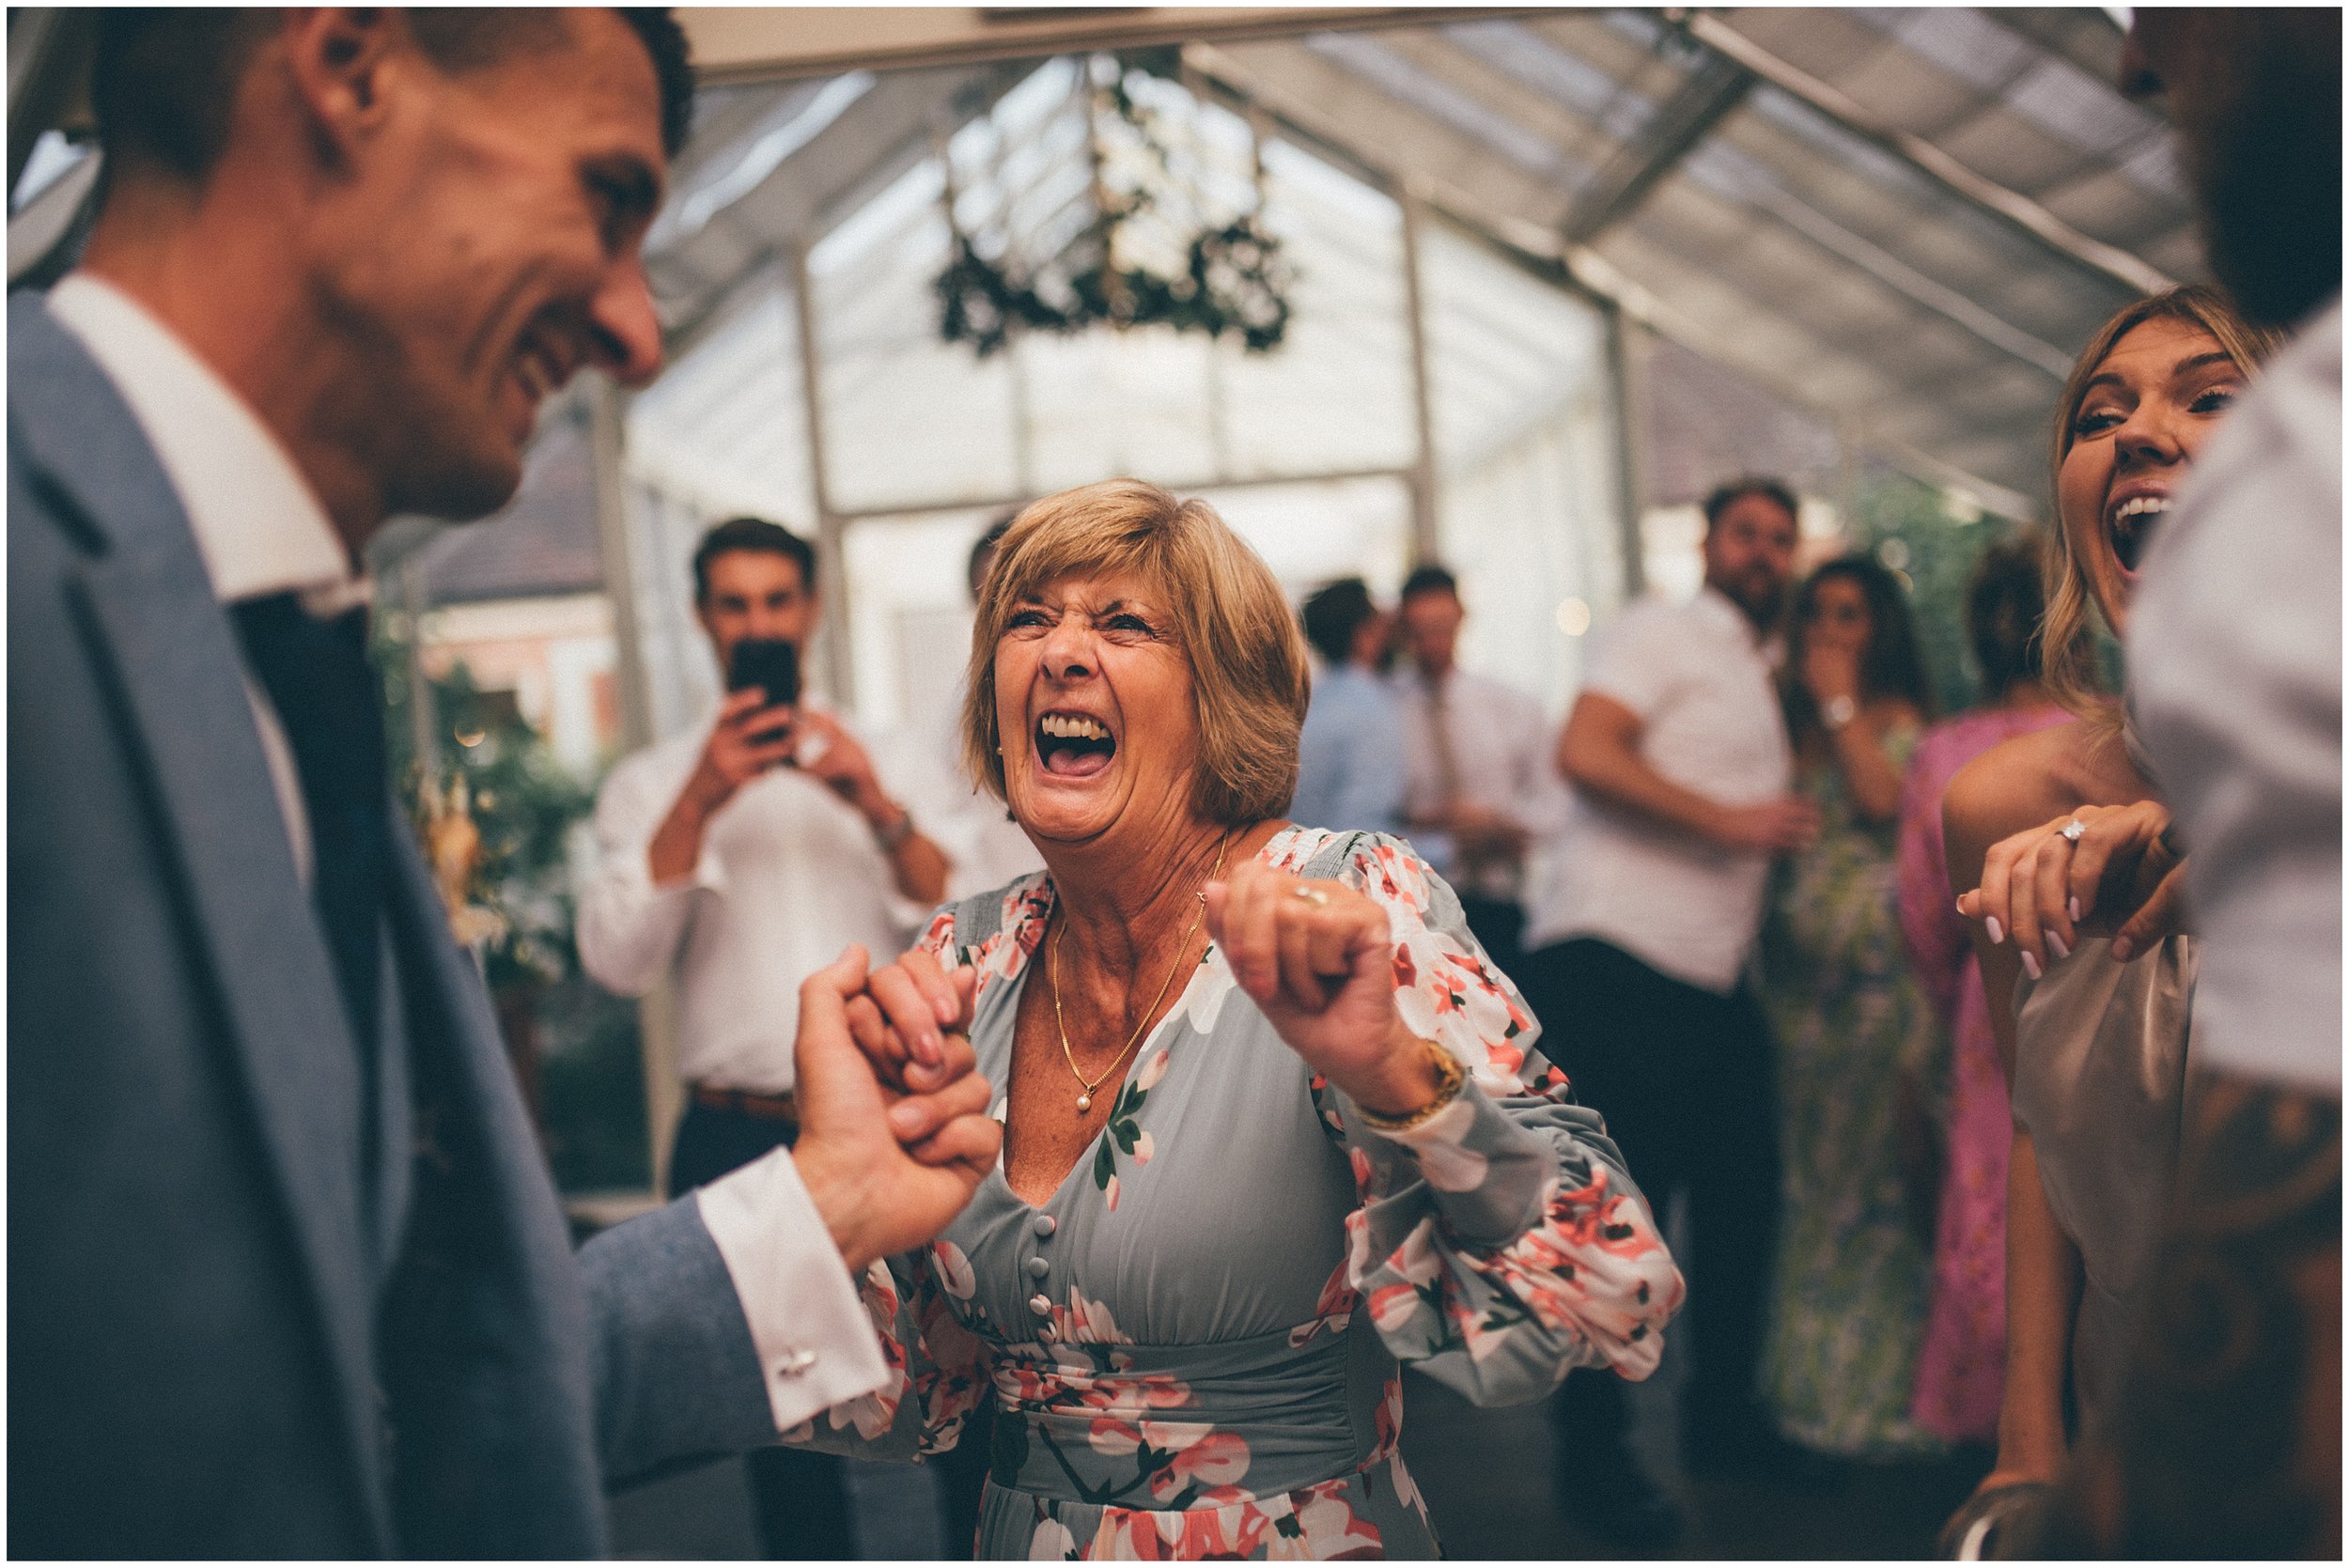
{"points": [[1451, 1078]]}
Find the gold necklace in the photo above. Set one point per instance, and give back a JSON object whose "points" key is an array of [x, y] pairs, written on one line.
{"points": [[1051, 972]]}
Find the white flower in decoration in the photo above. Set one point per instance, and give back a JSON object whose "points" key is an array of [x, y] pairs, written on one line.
{"points": [[1152, 1071], [1144, 1148]]}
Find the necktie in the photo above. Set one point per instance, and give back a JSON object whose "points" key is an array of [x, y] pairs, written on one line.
{"points": [[318, 679]]}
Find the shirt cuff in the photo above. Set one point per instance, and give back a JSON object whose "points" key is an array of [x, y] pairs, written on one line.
{"points": [[814, 1340]]}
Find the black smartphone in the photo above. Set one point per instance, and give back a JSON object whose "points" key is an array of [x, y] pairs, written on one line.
{"points": [[767, 663]]}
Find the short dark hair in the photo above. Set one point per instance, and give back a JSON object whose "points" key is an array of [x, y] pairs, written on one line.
{"points": [[1429, 578], [2005, 603], [1334, 615], [162, 78], [1724, 496], [751, 534]]}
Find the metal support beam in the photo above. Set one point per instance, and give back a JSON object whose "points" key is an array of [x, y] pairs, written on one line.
{"points": [[1426, 536], [1626, 363], [1671, 133], [2131, 271], [832, 631], [656, 1013]]}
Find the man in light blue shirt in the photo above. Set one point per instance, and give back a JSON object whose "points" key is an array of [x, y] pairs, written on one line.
{"points": [[1349, 770]]}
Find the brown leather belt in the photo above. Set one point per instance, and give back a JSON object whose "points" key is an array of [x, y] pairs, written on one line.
{"points": [[771, 1107]]}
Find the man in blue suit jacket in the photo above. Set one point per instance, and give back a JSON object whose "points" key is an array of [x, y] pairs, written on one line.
{"points": [[286, 1274]]}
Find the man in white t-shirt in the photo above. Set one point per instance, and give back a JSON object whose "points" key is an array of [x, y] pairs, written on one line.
{"points": [[736, 859], [1638, 951]]}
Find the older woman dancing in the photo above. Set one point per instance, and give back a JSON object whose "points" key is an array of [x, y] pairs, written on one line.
{"points": [[1274, 1124]]}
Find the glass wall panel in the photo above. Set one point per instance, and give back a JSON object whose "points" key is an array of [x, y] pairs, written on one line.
{"points": [[908, 420], [1528, 494]]}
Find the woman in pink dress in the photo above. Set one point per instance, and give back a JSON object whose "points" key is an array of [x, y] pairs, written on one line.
{"points": [[1961, 1364]]}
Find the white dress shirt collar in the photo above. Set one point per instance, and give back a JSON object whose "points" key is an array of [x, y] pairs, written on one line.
{"points": [[257, 524]]}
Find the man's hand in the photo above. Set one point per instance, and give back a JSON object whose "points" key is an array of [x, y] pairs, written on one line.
{"points": [[1483, 834], [2041, 890], [876, 1195], [1828, 672], [749, 738], [845, 769], [1781, 826]]}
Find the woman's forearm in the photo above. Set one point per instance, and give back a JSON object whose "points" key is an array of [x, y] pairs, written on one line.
{"points": [[1871, 776], [2042, 1291]]}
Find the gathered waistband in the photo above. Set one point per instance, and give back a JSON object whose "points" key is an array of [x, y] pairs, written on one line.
{"points": [[1179, 1426]]}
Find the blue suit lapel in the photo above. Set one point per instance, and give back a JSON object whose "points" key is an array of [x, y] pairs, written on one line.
{"points": [[146, 605]]}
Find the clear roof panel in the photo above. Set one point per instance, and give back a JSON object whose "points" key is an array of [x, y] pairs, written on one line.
{"points": [[1820, 296]]}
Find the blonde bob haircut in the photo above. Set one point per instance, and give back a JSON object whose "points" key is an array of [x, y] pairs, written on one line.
{"points": [[1248, 670], [2067, 647]]}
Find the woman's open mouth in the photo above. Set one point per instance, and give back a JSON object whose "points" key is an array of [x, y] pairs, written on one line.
{"points": [[2130, 525], [1073, 745]]}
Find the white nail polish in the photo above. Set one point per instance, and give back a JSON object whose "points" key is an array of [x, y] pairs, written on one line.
{"points": [[1998, 932], [2058, 947], [2073, 907], [2031, 965]]}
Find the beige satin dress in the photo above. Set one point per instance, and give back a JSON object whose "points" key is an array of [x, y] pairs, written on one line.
{"points": [[2100, 1071]]}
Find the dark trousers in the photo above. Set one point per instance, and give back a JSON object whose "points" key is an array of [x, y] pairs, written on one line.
{"points": [[800, 1500], [1498, 926], [1686, 1080]]}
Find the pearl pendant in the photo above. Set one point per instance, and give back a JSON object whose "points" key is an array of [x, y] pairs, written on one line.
{"points": [[1085, 1103]]}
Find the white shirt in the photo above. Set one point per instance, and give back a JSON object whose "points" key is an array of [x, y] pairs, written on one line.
{"points": [[984, 849], [1699, 678], [2234, 678], [790, 875], [1500, 745], [262, 530]]}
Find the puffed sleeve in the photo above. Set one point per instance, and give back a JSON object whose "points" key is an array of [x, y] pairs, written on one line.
{"points": [[1501, 1243]]}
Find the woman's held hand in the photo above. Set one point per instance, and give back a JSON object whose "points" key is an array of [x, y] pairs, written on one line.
{"points": [[1319, 958], [2041, 888]]}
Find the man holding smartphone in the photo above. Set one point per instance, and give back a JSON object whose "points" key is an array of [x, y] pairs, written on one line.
{"points": [[736, 859]]}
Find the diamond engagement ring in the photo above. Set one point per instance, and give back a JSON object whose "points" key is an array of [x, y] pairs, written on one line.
{"points": [[2072, 831], [1318, 897]]}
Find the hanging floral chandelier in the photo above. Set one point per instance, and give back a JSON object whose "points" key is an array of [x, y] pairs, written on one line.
{"points": [[1148, 244]]}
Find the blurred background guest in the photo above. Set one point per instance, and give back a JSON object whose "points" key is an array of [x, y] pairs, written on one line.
{"points": [[1480, 788], [736, 859], [1642, 945], [2097, 1045], [1349, 762], [1856, 1044], [1962, 1364], [985, 846]]}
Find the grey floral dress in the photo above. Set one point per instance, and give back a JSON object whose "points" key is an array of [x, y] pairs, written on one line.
{"points": [[1193, 1346]]}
